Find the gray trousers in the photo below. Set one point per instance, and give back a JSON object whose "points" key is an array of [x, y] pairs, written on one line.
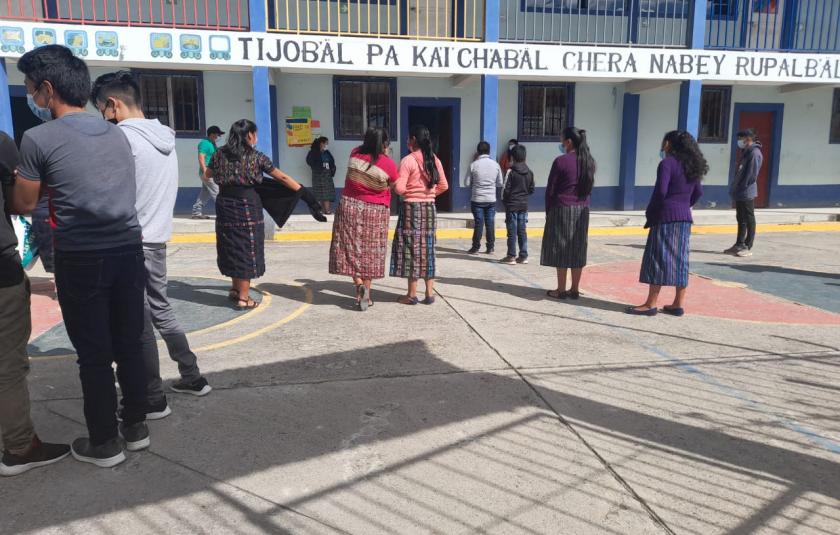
{"points": [[209, 190], [159, 315]]}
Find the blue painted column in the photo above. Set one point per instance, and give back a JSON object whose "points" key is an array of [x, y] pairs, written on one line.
{"points": [[5, 102], [690, 90], [627, 157], [261, 79]]}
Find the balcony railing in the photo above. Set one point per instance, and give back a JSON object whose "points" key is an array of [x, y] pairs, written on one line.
{"points": [[800, 25], [449, 20], [199, 14], [662, 23]]}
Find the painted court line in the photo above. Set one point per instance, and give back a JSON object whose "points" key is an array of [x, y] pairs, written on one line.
{"points": [[465, 233], [811, 436]]}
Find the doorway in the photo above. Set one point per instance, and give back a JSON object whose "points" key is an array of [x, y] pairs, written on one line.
{"points": [[442, 116], [766, 120]]}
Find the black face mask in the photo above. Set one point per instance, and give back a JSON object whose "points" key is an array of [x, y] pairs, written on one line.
{"points": [[113, 121]]}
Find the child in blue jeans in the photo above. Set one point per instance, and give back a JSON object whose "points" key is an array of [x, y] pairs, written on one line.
{"points": [[518, 186]]}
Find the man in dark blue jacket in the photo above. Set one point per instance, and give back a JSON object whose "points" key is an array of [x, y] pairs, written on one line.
{"points": [[744, 190]]}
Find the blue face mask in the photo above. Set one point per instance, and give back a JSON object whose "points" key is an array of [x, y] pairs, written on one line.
{"points": [[562, 148], [42, 113], [662, 154]]}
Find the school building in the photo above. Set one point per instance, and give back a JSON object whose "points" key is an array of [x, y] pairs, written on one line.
{"points": [[625, 70]]}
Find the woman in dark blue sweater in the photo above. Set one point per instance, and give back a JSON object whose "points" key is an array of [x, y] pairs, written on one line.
{"points": [[677, 188]]}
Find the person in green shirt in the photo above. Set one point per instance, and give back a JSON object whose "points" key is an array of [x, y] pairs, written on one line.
{"points": [[209, 189]]}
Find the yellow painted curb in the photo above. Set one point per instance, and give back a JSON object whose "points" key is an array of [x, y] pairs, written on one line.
{"points": [[465, 233]]}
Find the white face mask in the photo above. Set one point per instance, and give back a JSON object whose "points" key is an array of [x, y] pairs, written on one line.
{"points": [[42, 113], [742, 144]]}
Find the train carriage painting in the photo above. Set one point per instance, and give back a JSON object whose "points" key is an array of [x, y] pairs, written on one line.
{"points": [[107, 44], [161, 44], [43, 37], [190, 46], [220, 47], [11, 39], [77, 41]]}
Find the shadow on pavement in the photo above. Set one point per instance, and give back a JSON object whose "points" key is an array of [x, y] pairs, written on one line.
{"points": [[237, 433]]}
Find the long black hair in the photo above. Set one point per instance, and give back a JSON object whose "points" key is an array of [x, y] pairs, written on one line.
{"points": [[424, 142], [237, 144], [313, 157], [585, 162], [686, 150], [375, 139]]}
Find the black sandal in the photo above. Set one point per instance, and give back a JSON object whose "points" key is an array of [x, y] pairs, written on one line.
{"points": [[557, 294], [233, 295]]}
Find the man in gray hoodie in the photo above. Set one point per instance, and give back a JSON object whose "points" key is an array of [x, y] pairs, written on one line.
{"points": [[744, 190], [483, 177], [117, 96]]}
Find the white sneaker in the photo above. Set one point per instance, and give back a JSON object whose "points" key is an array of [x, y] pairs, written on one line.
{"points": [[743, 253]]}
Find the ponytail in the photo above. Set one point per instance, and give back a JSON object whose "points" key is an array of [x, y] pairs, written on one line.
{"points": [[424, 142], [585, 162]]}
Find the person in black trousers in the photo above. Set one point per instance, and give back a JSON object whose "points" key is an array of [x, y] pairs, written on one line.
{"points": [[744, 190]]}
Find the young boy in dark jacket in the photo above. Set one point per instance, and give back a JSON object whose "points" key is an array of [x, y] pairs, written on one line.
{"points": [[519, 184], [744, 190]]}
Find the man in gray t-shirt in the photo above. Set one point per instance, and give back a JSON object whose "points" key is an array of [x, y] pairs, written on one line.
{"points": [[87, 167]]}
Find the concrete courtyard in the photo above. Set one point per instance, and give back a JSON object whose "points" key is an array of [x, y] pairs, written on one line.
{"points": [[495, 410]]}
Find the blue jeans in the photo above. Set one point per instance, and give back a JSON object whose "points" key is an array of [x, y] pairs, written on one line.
{"points": [[517, 223], [484, 214]]}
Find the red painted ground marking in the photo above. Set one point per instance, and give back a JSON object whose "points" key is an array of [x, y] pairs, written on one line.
{"points": [[45, 311], [619, 282]]}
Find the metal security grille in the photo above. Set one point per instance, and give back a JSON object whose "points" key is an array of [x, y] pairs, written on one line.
{"points": [[362, 105], [173, 100], [202, 14], [610, 22], [714, 114], [544, 111], [450, 20]]}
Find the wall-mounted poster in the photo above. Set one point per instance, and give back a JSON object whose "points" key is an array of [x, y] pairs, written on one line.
{"points": [[298, 132]]}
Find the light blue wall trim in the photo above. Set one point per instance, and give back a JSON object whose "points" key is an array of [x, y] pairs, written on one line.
{"points": [[262, 111], [5, 102], [689, 113], [696, 34], [629, 146], [490, 111]]}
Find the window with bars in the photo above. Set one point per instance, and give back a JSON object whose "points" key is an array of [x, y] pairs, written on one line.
{"points": [[362, 103], [544, 110], [175, 100], [714, 114], [834, 134]]}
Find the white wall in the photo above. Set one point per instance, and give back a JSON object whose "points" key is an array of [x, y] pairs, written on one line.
{"points": [[658, 114], [807, 158], [316, 91], [597, 110]]}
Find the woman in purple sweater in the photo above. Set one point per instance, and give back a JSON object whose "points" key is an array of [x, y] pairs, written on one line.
{"points": [[677, 188], [565, 239]]}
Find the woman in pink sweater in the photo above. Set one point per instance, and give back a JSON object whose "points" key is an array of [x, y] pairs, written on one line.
{"points": [[421, 179]]}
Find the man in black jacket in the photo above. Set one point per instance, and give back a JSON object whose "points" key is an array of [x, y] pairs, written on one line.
{"points": [[744, 190], [518, 186]]}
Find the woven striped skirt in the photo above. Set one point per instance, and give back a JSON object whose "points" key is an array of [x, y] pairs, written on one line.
{"points": [[665, 262], [413, 250], [323, 186], [359, 239], [240, 233], [566, 238]]}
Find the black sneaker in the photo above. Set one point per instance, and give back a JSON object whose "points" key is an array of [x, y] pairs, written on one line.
{"points": [[199, 387], [159, 411], [104, 456], [473, 250], [136, 436], [41, 454], [522, 260], [489, 250]]}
